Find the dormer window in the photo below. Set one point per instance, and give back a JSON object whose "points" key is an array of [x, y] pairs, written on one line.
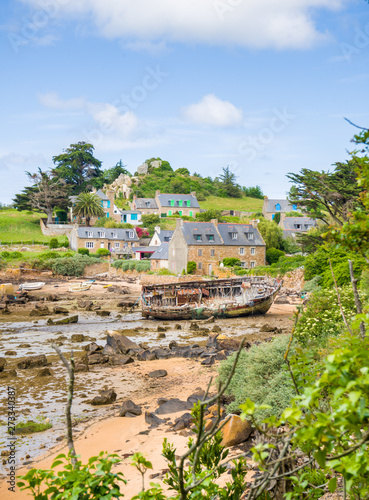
{"points": [[210, 237], [131, 234], [101, 234], [114, 235], [147, 203], [171, 203], [297, 226], [89, 234], [278, 207], [180, 203], [250, 236], [198, 237], [234, 236]]}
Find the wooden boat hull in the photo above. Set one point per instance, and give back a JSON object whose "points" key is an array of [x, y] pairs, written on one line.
{"points": [[226, 310]]}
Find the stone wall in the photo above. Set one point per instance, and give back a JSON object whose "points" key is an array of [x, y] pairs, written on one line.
{"points": [[94, 269], [55, 229]]}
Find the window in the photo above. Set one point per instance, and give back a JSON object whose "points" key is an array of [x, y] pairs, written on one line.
{"points": [[199, 265], [294, 207], [172, 203], [250, 236], [101, 234], [107, 215], [101, 245], [188, 202], [191, 213], [199, 252], [198, 237], [133, 216], [131, 234], [234, 236], [273, 215], [116, 244], [278, 207], [180, 203], [212, 253], [89, 234], [297, 226], [89, 244], [169, 212], [108, 203], [253, 251], [210, 237], [242, 251], [114, 235], [252, 264]]}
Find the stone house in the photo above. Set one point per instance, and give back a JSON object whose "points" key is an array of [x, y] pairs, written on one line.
{"points": [[107, 204], [292, 226], [159, 259], [118, 241], [208, 243], [274, 206], [167, 204], [160, 236], [127, 216]]}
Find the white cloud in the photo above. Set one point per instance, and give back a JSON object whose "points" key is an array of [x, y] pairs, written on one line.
{"points": [[53, 101], [245, 23], [213, 111]]}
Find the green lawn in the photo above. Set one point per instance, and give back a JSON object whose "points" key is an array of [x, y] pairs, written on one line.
{"points": [[243, 204], [21, 227]]}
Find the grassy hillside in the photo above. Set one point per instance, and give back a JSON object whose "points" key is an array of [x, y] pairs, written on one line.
{"points": [[245, 204], [21, 227]]}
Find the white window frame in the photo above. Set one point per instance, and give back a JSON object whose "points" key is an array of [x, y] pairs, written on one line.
{"points": [[252, 264], [199, 265], [253, 250], [250, 236], [234, 236], [114, 235], [242, 251], [89, 244], [101, 234], [131, 234], [212, 252], [89, 234], [117, 244], [199, 252]]}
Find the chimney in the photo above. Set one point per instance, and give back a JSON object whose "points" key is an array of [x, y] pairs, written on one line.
{"points": [[157, 192], [135, 196], [254, 223], [215, 222], [193, 193], [157, 229], [179, 223]]}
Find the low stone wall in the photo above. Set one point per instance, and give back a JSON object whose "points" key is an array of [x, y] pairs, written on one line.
{"points": [[55, 229], [94, 269]]}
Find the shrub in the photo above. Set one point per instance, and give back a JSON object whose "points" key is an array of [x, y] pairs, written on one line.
{"points": [[191, 267], [208, 215], [54, 243], [71, 266], [141, 233], [313, 285], [83, 251], [5, 254], [261, 376], [102, 251], [131, 264], [231, 262], [273, 255]]}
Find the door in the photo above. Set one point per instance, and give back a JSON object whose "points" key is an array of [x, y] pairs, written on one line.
{"points": [[210, 269], [101, 245]]}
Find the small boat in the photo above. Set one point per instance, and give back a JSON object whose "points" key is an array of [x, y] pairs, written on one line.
{"points": [[31, 286], [80, 287], [223, 298]]}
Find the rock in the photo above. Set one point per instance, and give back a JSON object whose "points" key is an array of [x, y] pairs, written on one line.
{"points": [[8, 373], [81, 367], [103, 313], [183, 422], [77, 337], [25, 249], [161, 353], [158, 374], [60, 310], [85, 304], [120, 343], [105, 398], [161, 336], [208, 361], [24, 346], [146, 356], [216, 329], [97, 358], [3, 364], [40, 310], [193, 352], [93, 347], [194, 326], [173, 344], [195, 397], [109, 350], [120, 359], [177, 327], [212, 341], [10, 353], [268, 328], [32, 362], [235, 431], [162, 329], [64, 321], [52, 297], [45, 372], [172, 406], [221, 355], [161, 401], [152, 419], [129, 406]]}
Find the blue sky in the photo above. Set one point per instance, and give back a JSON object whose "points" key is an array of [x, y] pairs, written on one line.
{"points": [[259, 85]]}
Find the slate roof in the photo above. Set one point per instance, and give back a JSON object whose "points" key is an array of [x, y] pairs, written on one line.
{"points": [[285, 205], [126, 212], [162, 252], [164, 200], [243, 231], [101, 195], [122, 234], [306, 223], [165, 235], [191, 231], [142, 203]]}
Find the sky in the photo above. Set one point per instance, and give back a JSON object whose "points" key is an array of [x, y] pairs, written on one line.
{"points": [[261, 86]]}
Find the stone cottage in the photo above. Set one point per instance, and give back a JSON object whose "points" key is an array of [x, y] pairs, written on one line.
{"points": [[167, 204], [274, 206], [208, 243], [118, 241]]}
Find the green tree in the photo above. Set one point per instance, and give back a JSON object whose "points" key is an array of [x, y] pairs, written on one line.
{"points": [[253, 192], [228, 183], [271, 233], [77, 166], [109, 175], [182, 171], [328, 196], [88, 205], [46, 194], [277, 218], [208, 215]]}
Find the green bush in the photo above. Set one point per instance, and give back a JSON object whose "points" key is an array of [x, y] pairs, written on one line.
{"points": [[84, 251], [273, 255], [131, 264], [54, 243], [231, 262], [261, 376], [313, 285], [191, 267], [5, 254], [71, 266], [102, 251]]}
